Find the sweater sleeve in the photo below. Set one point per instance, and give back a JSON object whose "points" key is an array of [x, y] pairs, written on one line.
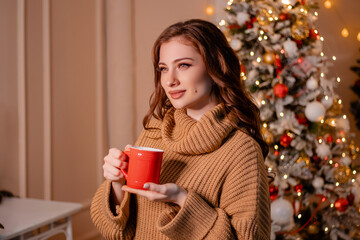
{"points": [[243, 212], [110, 225]]}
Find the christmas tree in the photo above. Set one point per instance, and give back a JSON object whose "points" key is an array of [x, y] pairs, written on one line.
{"points": [[355, 105], [315, 193]]}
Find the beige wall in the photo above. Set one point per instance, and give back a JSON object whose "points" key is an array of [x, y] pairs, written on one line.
{"points": [[76, 76]]}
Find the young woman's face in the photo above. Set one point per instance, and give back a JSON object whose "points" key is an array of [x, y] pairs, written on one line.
{"points": [[184, 77]]}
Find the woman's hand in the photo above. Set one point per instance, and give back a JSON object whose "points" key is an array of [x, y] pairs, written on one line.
{"points": [[113, 162], [169, 192]]}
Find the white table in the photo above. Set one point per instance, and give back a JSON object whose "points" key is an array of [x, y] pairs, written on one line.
{"points": [[23, 218]]}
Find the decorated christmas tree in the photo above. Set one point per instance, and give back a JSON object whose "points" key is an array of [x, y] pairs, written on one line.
{"points": [[355, 105], [315, 193]]}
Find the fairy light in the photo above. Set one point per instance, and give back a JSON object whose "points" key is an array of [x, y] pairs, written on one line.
{"points": [[332, 123], [358, 36], [345, 32], [334, 58], [316, 31], [257, 82], [344, 116], [289, 7], [322, 121], [222, 22], [209, 10], [316, 13], [263, 102], [230, 2], [242, 74], [260, 38], [343, 154], [340, 101], [322, 54], [326, 97], [276, 147], [252, 53], [328, 4], [332, 205], [269, 169], [320, 140], [285, 176], [270, 11], [299, 194], [326, 229], [338, 79], [258, 59], [299, 216], [271, 19], [322, 39], [343, 139], [265, 37], [276, 18], [302, 10], [281, 114], [354, 172], [261, 32], [322, 75], [330, 162], [353, 180], [337, 184], [282, 157]]}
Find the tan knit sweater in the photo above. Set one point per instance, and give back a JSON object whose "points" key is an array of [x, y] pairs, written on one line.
{"points": [[221, 168]]}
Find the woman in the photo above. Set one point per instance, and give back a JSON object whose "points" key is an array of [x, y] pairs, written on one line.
{"points": [[213, 182]]}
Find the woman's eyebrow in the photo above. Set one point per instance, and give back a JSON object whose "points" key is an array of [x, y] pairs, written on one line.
{"points": [[179, 59]]}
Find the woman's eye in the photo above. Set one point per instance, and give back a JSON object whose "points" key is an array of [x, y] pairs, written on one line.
{"points": [[184, 65], [161, 69]]}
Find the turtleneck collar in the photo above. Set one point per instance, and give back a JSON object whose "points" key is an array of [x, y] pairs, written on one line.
{"points": [[188, 136]]}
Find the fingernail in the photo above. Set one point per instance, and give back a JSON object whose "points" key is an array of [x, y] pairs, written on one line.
{"points": [[146, 186]]}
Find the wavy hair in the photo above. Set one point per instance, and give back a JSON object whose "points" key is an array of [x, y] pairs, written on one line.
{"points": [[222, 65]]}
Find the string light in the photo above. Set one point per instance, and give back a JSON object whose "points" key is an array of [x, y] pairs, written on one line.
{"points": [[252, 53], [340, 101], [322, 39], [353, 180], [299, 216], [334, 58], [328, 4], [285, 176], [344, 116], [322, 54], [345, 32], [209, 10], [358, 36], [222, 22], [276, 147], [338, 79], [282, 157], [337, 184], [257, 82], [316, 14], [330, 161], [281, 114], [354, 172], [263, 102], [258, 59]]}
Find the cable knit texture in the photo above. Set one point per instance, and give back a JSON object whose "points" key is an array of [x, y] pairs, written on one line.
{"points": [[221, 168]]}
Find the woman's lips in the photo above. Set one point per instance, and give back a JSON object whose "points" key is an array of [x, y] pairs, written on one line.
{"points": [[177, 94]]}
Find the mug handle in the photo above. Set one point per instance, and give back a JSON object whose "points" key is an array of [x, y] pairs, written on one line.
{"points": [[127, 153]]}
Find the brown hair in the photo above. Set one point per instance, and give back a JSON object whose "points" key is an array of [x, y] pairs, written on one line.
{"points": [[223, 67]]}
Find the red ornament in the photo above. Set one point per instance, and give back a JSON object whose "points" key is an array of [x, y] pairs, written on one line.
{"points": [[234, 26], [285, 140], [274, 190], [301, 119], [315, 158], [302, 2], [299, 187], [350, 199], [341, 204], [276, 153], [314, 34], [299, 43], [242, 68], [329, 138], [253, 19], [284, 16], [280, 90]]}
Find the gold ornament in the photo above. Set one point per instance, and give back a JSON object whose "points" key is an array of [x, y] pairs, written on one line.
{"points": [[336, 108], [269, 58], [313, 229], [300, 30], [304, 158], [342, 174], [267, 14], [268, 135], [353, 150]]}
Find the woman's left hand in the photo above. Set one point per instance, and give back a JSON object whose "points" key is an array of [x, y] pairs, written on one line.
{"points": [[169, 192]]}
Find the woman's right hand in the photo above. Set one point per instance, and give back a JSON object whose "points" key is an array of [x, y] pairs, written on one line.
{"points": [[113, 162]]}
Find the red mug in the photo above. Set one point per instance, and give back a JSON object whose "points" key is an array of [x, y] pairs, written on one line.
{"points": [[144, 166]]}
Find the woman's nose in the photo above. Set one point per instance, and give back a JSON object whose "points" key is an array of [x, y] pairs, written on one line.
{"points": [[172, 79]]}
